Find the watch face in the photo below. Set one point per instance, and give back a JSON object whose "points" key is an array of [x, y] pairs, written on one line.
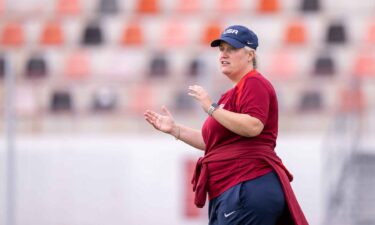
{"points": [[215, 105]]}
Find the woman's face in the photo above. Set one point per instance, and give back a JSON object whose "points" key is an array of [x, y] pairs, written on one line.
{"points": [[234, 62]]}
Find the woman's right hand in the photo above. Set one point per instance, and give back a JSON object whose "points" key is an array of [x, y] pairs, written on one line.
{"points": [[164, 123]]}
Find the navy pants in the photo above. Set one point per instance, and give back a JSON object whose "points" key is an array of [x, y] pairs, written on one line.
{"points": [[259, 201]]}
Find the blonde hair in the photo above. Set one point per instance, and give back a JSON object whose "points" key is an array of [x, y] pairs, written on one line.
{"points": [[254, 61]]}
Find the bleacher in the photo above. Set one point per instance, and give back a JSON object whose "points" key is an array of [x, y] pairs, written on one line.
{"points": [[96, 65]]}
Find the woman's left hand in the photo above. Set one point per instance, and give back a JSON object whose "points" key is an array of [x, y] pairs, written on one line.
{"points": [[200, 94]]}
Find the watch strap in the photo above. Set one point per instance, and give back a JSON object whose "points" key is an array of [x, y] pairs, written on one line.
{"points": [[212, 108]]}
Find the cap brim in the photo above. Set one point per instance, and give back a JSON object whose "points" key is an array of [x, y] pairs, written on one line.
{"points": [[233, 42]]}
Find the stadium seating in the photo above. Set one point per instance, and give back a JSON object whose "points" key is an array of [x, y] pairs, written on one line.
{"points": [[148, 6], [36, 67], [159, 66], [108, 7], [127, 42], [92, 34], [13, 34], [61, 102], [364, 64], [123, 66], [195, 67], [268, 6], [68, 7], [295, 34], [228, 6], [188, 6], [310, 5], [104, 100], [324, 65], [52, 34], [174, 34], [132, 34], [210, 32], [77, 66], [336, 33], [311, 101], [351, 97], [282, 65]]}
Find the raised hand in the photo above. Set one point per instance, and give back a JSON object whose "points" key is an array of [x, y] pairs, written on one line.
{"points": [[201, 95], [164, 123]]}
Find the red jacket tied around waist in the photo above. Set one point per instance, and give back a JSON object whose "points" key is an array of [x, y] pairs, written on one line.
{"points": [[200, 177]]}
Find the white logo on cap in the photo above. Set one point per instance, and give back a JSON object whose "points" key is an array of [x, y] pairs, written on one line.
{"points": [[231, 31]]}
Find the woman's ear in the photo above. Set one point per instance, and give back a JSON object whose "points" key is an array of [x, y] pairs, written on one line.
{"points": [[251, 55]]}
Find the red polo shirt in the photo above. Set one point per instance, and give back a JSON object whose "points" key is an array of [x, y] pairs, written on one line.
{"points": [[255, 96]]}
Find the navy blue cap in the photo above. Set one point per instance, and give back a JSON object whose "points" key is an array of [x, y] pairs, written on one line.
{"points": [[237, 36]]}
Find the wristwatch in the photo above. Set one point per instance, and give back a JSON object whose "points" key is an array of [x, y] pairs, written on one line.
{"points": [[212, 108]]}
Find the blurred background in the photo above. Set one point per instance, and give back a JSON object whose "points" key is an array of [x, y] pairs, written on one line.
{"points": [[77, 75]]}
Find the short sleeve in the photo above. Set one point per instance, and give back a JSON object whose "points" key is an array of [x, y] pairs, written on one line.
{"points": [[254, 99]]}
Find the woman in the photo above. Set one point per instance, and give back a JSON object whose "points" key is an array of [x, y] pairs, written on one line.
{"points": [[245, 180]]}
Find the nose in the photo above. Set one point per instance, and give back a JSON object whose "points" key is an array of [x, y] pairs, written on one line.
{"points": [[223, 54]]}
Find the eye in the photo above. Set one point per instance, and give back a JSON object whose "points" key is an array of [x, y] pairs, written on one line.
{"points": [[230, 48], [227, 49]]}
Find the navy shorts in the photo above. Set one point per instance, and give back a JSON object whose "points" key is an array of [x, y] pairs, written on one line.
{"points": [[259, 201]]}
